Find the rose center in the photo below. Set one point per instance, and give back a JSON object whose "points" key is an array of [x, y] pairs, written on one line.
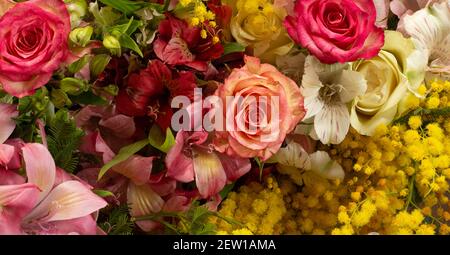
{"points": [[335, 17]]}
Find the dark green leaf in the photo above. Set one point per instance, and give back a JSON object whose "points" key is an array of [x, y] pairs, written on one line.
{"points": [[88, 98], [233, 47], [226, 190], [125, 6]]}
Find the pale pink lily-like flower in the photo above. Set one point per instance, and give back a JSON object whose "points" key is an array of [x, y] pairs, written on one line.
{"points": [[49, 203], [7, 124], [192, 158], [146, 194]]}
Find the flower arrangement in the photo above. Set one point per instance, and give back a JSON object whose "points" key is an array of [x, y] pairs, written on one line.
{"points": [[224, 117]]}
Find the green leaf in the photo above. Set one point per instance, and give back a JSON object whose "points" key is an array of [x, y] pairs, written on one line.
{"points": [[98, 64], [76, 66], [127, 42], [124, 154], [88, 98], [64, 139], [125, 6], [128, 28], [226, 190], [119, 222], [103, 193], [157, 140], [233, 47]]}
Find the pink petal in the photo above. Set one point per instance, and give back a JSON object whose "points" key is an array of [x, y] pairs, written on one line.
{"points": [[40, 167], [144, 201], [177, 204], [24, 88], [209, 173], [235, 167], [7, 124], [80, 226], [178, 165], [8, 177], [69, 200], [136, 168], [16, 201], [164, 187], [102, 147], [121, 125], [6, 154], [16, 160]]}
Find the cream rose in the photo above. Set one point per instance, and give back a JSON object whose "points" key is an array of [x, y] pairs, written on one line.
{"points": [[387, 84]]}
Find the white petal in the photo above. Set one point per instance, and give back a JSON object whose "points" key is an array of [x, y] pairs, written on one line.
{"points": [[322, 165], [353, 85], [332, 123], [293, 155]]}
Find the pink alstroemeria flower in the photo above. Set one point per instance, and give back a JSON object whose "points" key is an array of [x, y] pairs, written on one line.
{"points": [[133, 183], [7, 124], [191, 158], [48, 203]]}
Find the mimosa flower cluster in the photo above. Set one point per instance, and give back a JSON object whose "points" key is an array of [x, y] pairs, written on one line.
{"points": [[224, 117]]}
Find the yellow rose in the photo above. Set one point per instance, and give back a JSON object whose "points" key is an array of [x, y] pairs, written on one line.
{"points": [[387, 85], [259, 25]]}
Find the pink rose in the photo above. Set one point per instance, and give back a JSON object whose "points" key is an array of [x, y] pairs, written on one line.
{"points": [[336, 30], [33, 44], [260, 133]]}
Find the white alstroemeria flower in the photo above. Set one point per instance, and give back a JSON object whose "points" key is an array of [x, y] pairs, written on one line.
{"points": [[323, 165], [294, 156], [327, 90], [429, 29]]}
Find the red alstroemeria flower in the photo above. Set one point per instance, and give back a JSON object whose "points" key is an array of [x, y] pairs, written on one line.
{"points": [[181, 44], [149, 92]]}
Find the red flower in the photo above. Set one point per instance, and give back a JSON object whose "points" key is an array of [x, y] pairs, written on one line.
{"points": [[149, 92], [180, 44]]}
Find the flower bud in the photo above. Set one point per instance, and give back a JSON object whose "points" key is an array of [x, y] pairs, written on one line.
{"points": [[77, 9], [98, 64], [73, 86], [81, 36], [60, 99], [111, 43]]}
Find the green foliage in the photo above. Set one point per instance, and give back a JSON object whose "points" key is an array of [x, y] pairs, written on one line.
{"points": [[118, 222], [124, 154], [426, 114], [64, 139], [392, 22], [125, 6], [31, 109], [196, 221], [88, 98], [233, 47], [157, 140], [76, 66]]}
